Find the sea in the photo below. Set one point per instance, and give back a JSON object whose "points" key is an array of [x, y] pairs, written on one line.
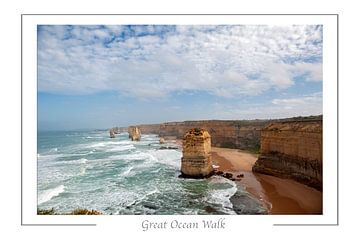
{"points": [[117, 176]]}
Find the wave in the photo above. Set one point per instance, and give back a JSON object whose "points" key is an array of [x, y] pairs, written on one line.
{"points": [[221, 194], [50, 193], [49, 156], [127, 172], [93, 137], [142, 198], [170, 157], [121, 148], [108, 143], [55, 156]]}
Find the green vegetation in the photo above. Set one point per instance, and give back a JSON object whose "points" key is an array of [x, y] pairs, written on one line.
{"points": [[50, 211], [254, 150], [78, 211], [228, 144]]}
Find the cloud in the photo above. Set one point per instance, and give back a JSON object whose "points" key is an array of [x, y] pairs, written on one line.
{"points": [[278, 108], [226, 61]]}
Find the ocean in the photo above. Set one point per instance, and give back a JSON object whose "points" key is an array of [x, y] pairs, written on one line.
{"points": [[88, 169]]}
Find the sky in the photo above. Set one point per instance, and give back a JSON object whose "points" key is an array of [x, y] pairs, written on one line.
{"points": [[100, 76]]}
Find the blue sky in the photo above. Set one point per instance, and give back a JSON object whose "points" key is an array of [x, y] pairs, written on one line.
{"points": [[94, 76]]}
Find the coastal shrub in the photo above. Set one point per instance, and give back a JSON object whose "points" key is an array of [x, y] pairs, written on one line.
{"points": [[83, 211], [50, 211], [228, 144], [78, 211]]}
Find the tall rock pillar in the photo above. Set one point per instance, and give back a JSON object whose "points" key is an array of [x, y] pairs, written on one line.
{"points": [[196, 161], [134, 133]]}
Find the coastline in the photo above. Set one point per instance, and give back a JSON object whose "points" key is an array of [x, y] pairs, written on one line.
{"points": [[280, 196]]}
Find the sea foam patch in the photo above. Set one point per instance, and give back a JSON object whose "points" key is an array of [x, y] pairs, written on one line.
{"points": [[50, 193]]}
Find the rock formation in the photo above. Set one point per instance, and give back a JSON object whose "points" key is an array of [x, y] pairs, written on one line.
{"points": [[237, 134], [112, 133], [293, 150], [196, 161], [134, 133], [161, 140]]}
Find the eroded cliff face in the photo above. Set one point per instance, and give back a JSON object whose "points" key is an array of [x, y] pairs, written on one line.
{"points": [[241, 134], [196, 161], [292, 149], [134, 133], [229, 134]]}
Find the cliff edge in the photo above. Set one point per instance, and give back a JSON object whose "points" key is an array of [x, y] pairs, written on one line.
{"points": [[292, 149]]}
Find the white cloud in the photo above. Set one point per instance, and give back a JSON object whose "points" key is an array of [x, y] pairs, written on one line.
{"points": [[278, 108], [226, 61]]}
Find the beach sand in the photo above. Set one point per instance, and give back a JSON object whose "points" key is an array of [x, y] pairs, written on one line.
{"points": [[280, 196]]}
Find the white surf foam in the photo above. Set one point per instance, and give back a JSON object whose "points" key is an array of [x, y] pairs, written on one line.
{"points": [[49, 156], [169, 157], [108, 143], [127, 172], [93, 137], [82, 160], [121, 148], [50, 193], [222, 196]]}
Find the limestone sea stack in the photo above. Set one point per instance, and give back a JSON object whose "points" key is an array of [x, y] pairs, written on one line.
{"points": [[292, 150], [134, 133], [112, 133], [196, 161]]}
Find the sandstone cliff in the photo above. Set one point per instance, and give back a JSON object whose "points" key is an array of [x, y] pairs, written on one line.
{"points": [[196, 161], [238, 134], [134, 133], [292, 149]]}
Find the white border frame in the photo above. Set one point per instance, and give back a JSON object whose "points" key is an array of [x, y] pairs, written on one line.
{"points": [[130, 222]]}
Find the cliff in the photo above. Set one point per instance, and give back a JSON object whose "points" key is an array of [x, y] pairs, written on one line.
{"points": [[196, 161], [292, 149], [238, 134]]}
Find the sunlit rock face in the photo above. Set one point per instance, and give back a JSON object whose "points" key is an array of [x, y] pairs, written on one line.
{"points": [[196, 161], [134, 133], [293, 150]]}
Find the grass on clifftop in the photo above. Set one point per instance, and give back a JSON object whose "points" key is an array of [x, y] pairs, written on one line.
{"points": [[78, 211]]}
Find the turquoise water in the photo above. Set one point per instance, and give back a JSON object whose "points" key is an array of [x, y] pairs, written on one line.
{"points": [[87, 169]]}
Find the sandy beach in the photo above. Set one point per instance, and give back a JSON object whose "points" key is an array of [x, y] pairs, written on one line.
{"points": [[280, 196]]}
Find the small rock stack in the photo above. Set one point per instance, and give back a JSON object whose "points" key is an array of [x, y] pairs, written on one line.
{"points": [[134, 133], [112, 133], [196, 161]]}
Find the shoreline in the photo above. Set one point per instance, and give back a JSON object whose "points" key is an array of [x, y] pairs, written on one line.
{"points": [[279, 195]]}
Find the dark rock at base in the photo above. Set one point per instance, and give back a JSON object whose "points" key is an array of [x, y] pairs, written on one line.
{"points": [[302, 170], [212, 211], [196, 177], [227, 175], [240, 175], [150, 206], [167, 147], [245, 204], [219, 173]]}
